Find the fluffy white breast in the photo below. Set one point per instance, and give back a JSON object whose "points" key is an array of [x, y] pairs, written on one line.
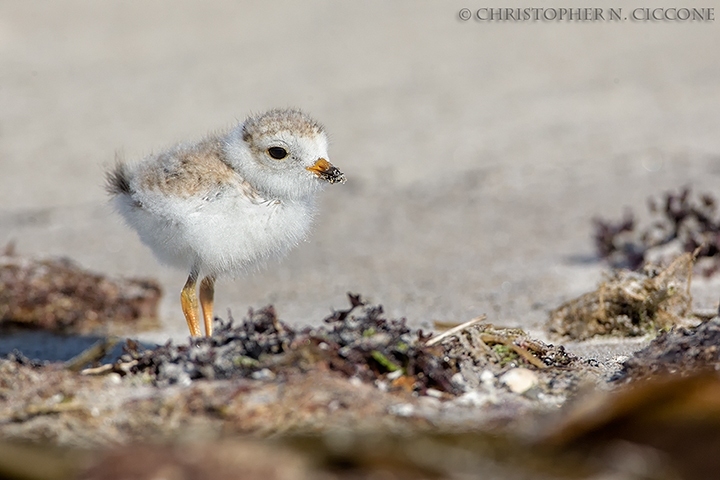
{"points": [[232, 235], [225, 236]]}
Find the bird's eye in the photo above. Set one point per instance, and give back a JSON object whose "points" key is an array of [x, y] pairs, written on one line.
{"points": [[278, 153]]}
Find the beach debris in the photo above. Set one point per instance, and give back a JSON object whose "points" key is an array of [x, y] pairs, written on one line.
{"points": [[92, 355], [628, 303], [499, 348], [58, 295], [358, 342], [680, 222], [680, 351], [497, 364]]}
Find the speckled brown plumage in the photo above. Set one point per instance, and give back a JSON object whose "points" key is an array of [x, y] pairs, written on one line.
{"points": [[189, 170], [277, 120]]}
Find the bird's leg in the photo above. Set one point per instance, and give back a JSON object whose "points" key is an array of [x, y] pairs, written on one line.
{"points": [[189, 302], [207, 293]]}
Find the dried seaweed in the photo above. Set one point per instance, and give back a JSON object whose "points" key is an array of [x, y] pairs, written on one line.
{"points": [[500, 348], [487, 356], [681, 350], [628, 303], [681, 220], [364, 345], [58, 295]]}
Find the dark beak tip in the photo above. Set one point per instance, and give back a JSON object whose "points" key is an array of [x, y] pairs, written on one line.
{"points": [[335, 176]]}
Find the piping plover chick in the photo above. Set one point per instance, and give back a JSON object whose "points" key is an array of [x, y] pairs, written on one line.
{"points": [[225, 204]]}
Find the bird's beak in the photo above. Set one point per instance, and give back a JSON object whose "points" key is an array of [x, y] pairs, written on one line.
{"points": [[326, 171]]}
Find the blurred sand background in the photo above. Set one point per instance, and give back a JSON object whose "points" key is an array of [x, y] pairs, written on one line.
{"points": [[476, 153]]}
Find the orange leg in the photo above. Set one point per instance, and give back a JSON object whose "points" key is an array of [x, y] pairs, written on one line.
{"points": [[189, 302], [207, 295]]}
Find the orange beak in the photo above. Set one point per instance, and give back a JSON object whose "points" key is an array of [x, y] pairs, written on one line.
{"points": [[326, 171]]}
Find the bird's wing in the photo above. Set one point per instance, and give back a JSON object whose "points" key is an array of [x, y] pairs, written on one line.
{"points": [[196, 170]]}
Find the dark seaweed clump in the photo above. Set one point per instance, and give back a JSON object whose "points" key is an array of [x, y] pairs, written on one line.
{"points": [[60, 296], [681, 350], [358, 342], [690, 221]]}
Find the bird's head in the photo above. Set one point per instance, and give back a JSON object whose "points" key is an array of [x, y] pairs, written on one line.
{"points": [[284, 153]]}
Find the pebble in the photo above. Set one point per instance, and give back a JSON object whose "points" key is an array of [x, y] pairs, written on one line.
{"points": [[431, 403], [459, 380], [487, 378], [264, 374], [519, 380], [431, 392], [402, 409]]}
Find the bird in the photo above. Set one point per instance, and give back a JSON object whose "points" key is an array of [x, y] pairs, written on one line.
{"points": [[227, 203]]}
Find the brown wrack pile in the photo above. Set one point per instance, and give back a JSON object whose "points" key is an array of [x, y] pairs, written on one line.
{"points": [[357, 342], [680, 221], [364, 345]]}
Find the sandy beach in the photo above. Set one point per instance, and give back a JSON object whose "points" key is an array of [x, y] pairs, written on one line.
{"points": [[476, 152]]}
